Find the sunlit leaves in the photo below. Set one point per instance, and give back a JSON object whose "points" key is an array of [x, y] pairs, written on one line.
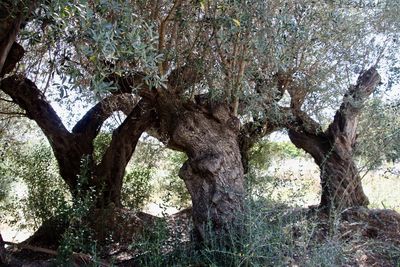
{"points": [[322, 45]]}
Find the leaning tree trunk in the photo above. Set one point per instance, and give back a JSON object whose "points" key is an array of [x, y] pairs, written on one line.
{"points": [[340, 181], [332, 150], [213, 173]]}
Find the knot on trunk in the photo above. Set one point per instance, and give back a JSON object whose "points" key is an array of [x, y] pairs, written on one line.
{"points": [[206, 165]]}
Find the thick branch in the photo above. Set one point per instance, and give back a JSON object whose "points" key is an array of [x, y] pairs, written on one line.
{"points": [[12, 14], [14, 56], [343, 127], [68, 149], [7, 38], [25, 93], [342, 131], [90, 124], [110, 171]]}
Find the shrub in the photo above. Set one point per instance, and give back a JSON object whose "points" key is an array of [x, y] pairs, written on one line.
{"points": [[137, 189], [272, 237], [174, 187], [41, 193]]}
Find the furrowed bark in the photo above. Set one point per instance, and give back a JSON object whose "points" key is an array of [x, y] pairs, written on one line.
{"points": [[213, 173], [332, 150], [110, 172]]}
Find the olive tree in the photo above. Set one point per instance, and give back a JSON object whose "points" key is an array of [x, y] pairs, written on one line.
{"points": [[208, 78]]}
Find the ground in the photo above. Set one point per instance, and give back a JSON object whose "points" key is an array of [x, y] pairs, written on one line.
{"points": [[367, 238], [303, 237]]}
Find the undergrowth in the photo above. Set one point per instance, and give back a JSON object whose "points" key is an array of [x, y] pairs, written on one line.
{"points": [[271, 236]]}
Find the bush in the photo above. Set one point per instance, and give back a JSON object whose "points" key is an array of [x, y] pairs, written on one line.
{"points": [[174, 187], [5, 181], [272, 237], [101, 143], [41, 193], [137, 189]]}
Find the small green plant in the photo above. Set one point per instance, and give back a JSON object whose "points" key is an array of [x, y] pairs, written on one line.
{"points": [[174, 187], [270, 235], [137, 188], [79, 236], [101, 142]]}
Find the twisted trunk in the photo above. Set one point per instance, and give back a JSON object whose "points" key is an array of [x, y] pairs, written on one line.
{"points": [[332, 150], [213, 173], [340, 181]]}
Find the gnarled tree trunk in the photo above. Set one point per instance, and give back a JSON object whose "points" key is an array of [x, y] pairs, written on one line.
{"points": [[332, 150], [340, 181], [213, 173]]}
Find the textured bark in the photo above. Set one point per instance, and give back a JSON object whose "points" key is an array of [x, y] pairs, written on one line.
{"points": [[110, 172], [340, 180], [213, 173], [332, 150]]}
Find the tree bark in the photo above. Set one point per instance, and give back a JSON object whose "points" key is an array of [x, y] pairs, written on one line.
{"points": [[340, 181], [332, 150], [213, 173]]}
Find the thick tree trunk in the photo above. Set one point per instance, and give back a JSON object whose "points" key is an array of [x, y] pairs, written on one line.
{"points": [[340, 181], [110, 172], [332, 149], [341, 184], [213, 173]]}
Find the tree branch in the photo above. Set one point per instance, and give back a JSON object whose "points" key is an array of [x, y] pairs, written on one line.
{"points": [[8, 39], [343, 128], [9, 28], [67, 149], [92, 121], [110, 170], [25, 93], [307, 134], [14, 56]]}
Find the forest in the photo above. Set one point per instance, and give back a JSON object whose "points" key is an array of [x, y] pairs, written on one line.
{"points": [[199, 133]]}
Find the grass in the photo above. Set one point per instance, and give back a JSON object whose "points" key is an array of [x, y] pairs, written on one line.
{"points": [[278, 231], [273, 237], [381, 186]]}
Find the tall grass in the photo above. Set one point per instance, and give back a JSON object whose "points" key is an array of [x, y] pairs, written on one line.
{"points": [[272, 236]]}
